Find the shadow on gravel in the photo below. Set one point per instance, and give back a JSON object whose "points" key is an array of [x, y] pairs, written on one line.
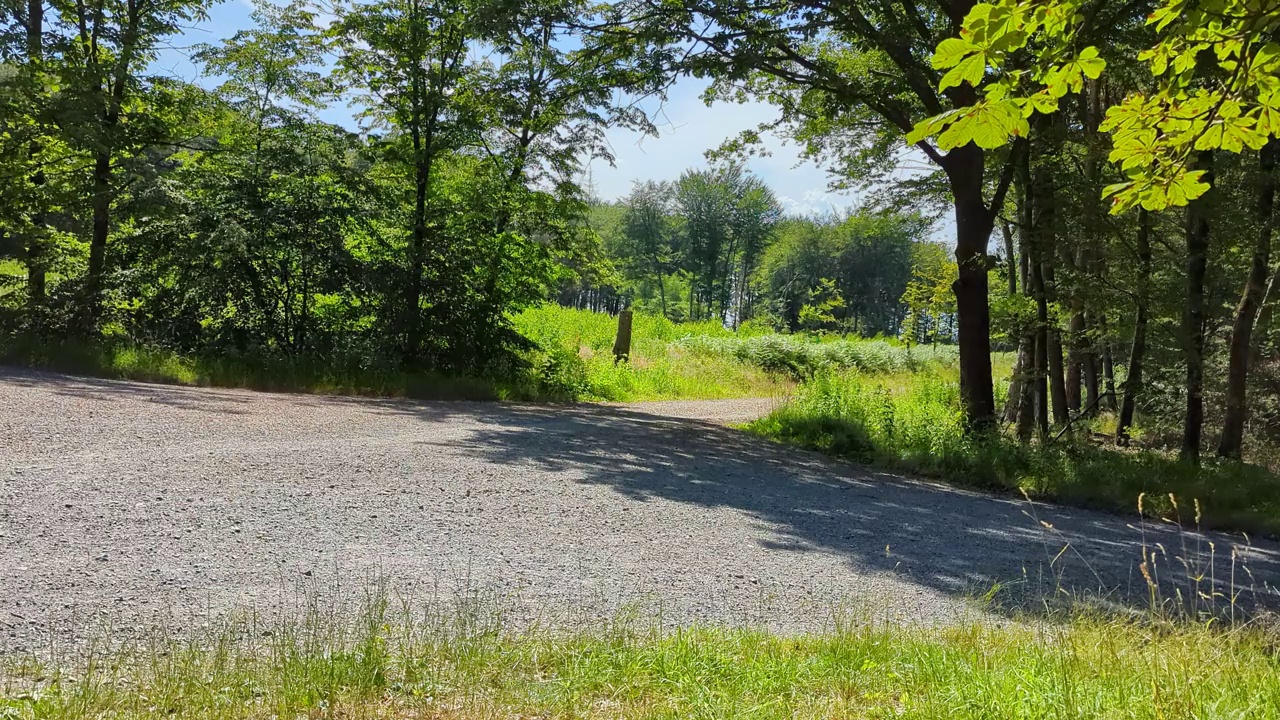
{"points": [[108, 390], [954, 541]]}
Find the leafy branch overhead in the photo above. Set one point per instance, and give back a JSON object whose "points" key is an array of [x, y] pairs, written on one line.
{"points": [[1214, 85]]}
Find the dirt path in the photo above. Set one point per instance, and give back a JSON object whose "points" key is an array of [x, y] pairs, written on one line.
{"points": [[134, 504]]}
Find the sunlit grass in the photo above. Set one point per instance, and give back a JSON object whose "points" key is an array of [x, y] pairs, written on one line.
{"points": [[385, 659]]}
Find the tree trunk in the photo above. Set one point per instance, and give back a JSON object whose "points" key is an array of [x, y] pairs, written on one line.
{"points": [[1041, 352], [98, 240], [1009, 258], [1075, 356], [1089, 360], [1193, 317], [1021, 404], [417, 263], [1232, 441], [1045, 234], [1133, 380], [964, 169], [1054, 349], [662, 291], [35, 241], [1109, 378]]}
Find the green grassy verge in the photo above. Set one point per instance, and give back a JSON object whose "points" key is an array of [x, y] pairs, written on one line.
{"points": [[912, 422], [571, 359], [126, 361], [381, 665]]}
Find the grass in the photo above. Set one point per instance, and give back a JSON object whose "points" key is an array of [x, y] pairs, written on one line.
{"points": [[572, 360], [702, 360], [387, 659], [576, 357], [126, 361], [911, 422]]}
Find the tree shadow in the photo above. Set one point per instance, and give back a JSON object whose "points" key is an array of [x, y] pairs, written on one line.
{"points": [[1026, 557], [108, 390]]}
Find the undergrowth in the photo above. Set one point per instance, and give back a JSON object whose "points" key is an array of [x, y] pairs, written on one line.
{"points": [[913, 423]]}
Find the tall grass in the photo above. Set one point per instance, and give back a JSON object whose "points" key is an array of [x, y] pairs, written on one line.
{"points": [[389, 659], [570, 359], [575, 358], [912, 422], [803, 358]]}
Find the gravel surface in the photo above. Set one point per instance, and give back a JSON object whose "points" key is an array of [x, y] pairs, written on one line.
{"points": [[133, 505]]}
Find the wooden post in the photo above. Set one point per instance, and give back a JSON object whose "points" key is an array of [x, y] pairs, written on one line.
{"points": [[622, 346]]}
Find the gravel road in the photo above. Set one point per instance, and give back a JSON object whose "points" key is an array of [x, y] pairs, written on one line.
{"points": [[131, 505]]}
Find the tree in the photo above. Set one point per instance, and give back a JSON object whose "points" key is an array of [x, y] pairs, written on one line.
{"points": [[928, 296], [407, 58], [108, 110], [649, 232], [849, 59]]}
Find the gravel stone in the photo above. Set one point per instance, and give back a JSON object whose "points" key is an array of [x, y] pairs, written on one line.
{"points": [[137, 506]]}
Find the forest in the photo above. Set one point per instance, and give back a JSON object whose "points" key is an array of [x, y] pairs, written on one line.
{"points": [[1098, 204]]}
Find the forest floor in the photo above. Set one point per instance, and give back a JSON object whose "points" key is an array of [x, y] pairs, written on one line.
{"points": [[134, 506]]}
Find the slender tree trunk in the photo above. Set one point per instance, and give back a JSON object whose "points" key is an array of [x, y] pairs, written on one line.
{"points": [[1075, 356], [1057, 387], [36, 262], [1137, 353], [1027, 372], [1089, 360], [1193, 318], [964, 169], [98, 239], [417, 263], [1041, 351], [1045, 234], [1232, 441], [1009, 258], [1109, 378], [1108, 366], [662, 291]]}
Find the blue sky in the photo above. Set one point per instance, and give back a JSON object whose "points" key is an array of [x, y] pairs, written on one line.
{"points": [[688, 129]]}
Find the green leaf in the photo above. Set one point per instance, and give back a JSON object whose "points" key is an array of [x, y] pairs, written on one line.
{"points": [[1090, 64], [969, 70], [951, 51]]}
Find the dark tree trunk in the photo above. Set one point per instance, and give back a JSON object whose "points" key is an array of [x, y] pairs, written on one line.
{"points": [[1109, 378], [1137, 353], [1232, 441], [1021, 404], [1075, 356], [1108, 399], [964, 169], [1057, 387], [1009, 258], [98, 239], [1045, 235], [1089, 360], [1193, 317], [417, 261], [1041, 352], [36, 261]]}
